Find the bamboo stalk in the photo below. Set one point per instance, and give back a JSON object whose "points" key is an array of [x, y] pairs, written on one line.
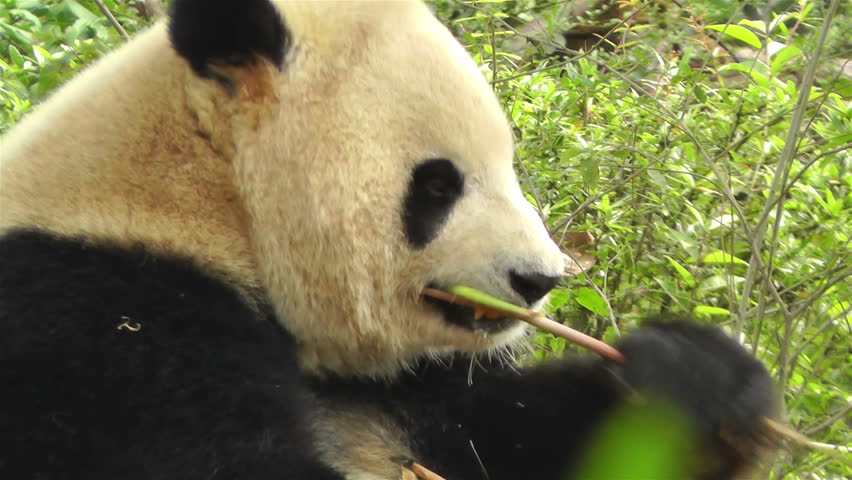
{"points": [[495, 306], [539, 321]]}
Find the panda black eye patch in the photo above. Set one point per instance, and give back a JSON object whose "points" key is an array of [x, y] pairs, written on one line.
{"points": [[434, 187]]}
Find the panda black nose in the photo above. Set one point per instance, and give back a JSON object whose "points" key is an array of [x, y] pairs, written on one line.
{"points": [[532, 286]]}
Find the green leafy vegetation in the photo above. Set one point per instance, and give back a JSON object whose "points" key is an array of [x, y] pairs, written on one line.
{"points": [[707, 148], [44, 43], [705, 145]]}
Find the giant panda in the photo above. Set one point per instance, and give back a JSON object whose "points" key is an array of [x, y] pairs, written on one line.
{"points": [[213, 246]]}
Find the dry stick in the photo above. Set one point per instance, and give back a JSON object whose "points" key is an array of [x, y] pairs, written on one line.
{"points": [[608, 351]]}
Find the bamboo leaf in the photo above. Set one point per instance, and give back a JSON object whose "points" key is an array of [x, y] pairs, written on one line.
{"points": [[738, 32], [590, 299], [710, 311], [719, 257], [682, 272]]}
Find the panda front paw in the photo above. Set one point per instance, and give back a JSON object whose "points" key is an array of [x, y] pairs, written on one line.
{"points": [[713, 379]]}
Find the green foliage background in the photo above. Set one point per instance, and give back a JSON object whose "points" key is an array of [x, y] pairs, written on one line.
{"points": [[671, 142]]}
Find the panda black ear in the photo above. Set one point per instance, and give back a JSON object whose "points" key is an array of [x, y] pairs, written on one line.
{"points": [[227, 32]]}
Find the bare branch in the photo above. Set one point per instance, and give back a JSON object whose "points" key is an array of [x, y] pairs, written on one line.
{"points": [[791, 144], [104, 10]]}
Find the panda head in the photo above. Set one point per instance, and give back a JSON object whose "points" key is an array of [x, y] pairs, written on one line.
{"points": [[373, 160], [337, 156]]}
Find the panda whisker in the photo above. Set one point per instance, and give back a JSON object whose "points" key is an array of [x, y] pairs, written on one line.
{"points": [[479, 460], [470, 370], [505, 355], [441, 359]]}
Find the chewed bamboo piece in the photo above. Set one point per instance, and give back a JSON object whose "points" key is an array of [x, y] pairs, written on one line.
{"points": [[475, 299], [491, 307], [415, 471]]}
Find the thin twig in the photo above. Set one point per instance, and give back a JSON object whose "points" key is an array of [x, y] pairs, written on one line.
{"points": [[791, 144], [801, 440], [845, 273], [103, 8], [830, 421], [603, 39], [804, 344]]}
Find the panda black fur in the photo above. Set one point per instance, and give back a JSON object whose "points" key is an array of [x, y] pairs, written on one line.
{"points": [[311, 166], [139, 366]]}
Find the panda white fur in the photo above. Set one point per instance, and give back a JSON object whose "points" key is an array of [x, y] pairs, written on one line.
{"points": [[263, 164]]}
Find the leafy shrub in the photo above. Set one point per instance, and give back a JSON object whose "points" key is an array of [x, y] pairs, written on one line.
{"points": [[672, 142]]}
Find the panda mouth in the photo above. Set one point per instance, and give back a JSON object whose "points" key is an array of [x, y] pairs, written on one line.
{"points": [[468, 317]]}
